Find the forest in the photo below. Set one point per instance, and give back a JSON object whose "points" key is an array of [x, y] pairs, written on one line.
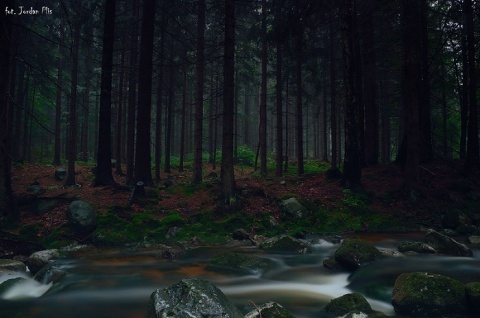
{"points": [[146, 83]]}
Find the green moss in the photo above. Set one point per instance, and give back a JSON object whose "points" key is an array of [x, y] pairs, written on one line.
{"points": [[345, 304], [472, 291], [354, 252]]}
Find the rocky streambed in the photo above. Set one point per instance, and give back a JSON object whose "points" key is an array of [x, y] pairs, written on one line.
{"points": [[423, 274]]}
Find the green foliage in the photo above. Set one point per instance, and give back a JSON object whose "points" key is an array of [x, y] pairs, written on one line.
{"points": [[356, 202], [245, 156]]}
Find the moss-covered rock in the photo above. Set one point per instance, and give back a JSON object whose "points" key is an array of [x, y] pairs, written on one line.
{"points": [[240, 263], [472, 292], [446, 245], [9, 283], [286, 244], [421, 294], [12, 265], [354, 253], [292, 209], [348, 303], [270, 310], [417, 247]]}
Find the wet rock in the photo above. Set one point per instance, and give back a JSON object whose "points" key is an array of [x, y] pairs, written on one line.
{"points": [[348, 304], [421, 294], [446, 245], [82, 217], [35, 188], [239, 263], [60, 174], [472, 292], [292, 209], [11, 265], [417, 247], [9, 283], [332, 264], [354, 253], [50, 274], [270, 310], [285, 243], [38, 260], [191, 298], [474, 240], [172, 232], [240, 235]]}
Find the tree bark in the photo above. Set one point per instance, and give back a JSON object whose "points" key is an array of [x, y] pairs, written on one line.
{"points": [[227, 171], [279, 109], [159, 108], [199, 86], [262, 130], [118, 136], [142, 150], [299, 88], [103, 175], [57, 161], [333, 99], [352, 165]]}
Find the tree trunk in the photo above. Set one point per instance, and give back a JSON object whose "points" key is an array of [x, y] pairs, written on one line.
{"points": [[57, 161], [227, 172], [279, 109], [169, 115], [118, 136], [464, 104], [262, 130], [72, 134], [426, 150], [86, 106], [352, 165], [103, 175], [143, 171], [333, 99], [159, 108], [132, 96], [298, 103], [199, 86], [183, 118], [472, 157]]}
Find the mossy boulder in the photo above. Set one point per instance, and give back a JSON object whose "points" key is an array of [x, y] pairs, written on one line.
{"points": [[285, 244], [12, 265], [82, 217], [472, 292], [191, 298], [354, 253], [38, 260], [292, 209], [417, 247], [239, 263], [9, 283], [270, 310], [421, 294], [346, 304], [446, 245]]}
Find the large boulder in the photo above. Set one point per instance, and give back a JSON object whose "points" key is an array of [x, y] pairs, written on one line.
{"points": [[354, 253], [446, 245], [40, 259], [270, 310], [349, 303], [239, 263], [285, 244], [82, 216], [12, 265], [292, 209], [472, 292], [417, 247], [191, 298], [421, 294]]}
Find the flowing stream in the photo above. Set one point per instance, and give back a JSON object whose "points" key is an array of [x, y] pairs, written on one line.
{"points": [[118, 282]]}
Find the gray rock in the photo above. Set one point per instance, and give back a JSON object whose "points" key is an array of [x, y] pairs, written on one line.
{"points": [[12, 265], [291, 208], [38, 260], [60, 174], [270, 310], [417, 247], [474, 240], [82, 216], [354, 253], [240, 263], [420, 294], [49, 274], [172, 232], [285, 243], [191, 298], [446, 245]]}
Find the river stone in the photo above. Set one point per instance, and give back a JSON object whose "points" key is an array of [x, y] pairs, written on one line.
{"points": [[12, 265], [286, 244], [38, 260], [474, 240], [472, 292], [191, 298], [9, 283], [446, 245], [349, 303], [82, 216], [421, 294], [354, 253], [417, 247], [292, 209], [270, 310], [240, 263], [49, 274]]}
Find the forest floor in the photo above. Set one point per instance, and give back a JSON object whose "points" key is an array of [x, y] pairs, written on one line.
{"points": [[444, 186]]}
